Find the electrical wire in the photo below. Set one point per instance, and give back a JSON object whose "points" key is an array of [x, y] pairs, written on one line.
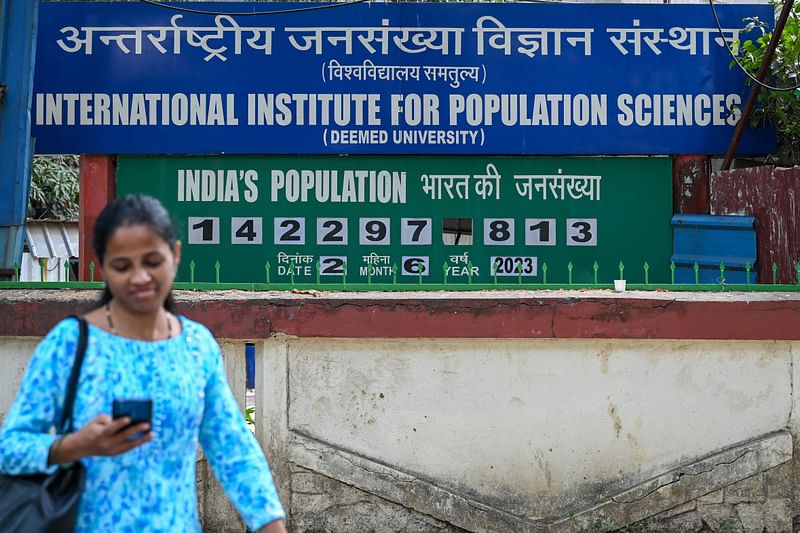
{"points": [[240, 14], [728, 48]]}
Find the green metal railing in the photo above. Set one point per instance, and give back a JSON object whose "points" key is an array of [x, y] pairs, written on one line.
{"points": [[341, 283]]}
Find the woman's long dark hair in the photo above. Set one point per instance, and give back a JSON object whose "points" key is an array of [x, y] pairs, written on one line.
{"points": [[132, 210]]}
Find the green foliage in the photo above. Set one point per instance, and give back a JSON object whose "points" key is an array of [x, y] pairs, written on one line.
{"points": [[54, 188], [780, 109]]}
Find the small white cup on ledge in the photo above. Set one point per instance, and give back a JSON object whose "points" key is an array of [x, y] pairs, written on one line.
{"points": [[619, 285]]}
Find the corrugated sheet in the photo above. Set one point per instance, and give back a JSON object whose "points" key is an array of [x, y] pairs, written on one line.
{"points": [[772, 195], [51, 239]]}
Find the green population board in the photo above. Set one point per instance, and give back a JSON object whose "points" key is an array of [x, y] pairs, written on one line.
{"points": [[413, 218]]}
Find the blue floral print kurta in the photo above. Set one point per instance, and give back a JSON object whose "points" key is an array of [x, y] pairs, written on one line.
{"points": [[152, 487]]}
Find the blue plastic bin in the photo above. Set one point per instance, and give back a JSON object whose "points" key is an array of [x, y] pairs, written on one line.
{"points": [[709, 240]]}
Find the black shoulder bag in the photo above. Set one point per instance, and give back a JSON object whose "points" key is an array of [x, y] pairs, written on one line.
{"points": [[47, 503]]}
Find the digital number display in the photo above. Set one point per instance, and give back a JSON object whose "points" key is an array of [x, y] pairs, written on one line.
{"points": [[413, 219]]}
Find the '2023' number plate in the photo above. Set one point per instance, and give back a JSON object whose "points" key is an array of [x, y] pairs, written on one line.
{"points": [[513, 266]]}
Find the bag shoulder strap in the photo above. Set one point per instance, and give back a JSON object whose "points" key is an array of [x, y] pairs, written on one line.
{"points": [[72, 384]]}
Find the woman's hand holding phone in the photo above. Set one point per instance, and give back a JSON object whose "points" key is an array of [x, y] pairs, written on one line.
{"points": [[102, 436]]}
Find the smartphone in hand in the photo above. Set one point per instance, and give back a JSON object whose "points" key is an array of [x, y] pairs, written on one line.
{"points": [[137, 409]]}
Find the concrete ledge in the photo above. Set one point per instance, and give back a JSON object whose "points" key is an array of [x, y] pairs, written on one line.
{"points": [[684, 484], [481, 314], [657, 495], [402, 488]]}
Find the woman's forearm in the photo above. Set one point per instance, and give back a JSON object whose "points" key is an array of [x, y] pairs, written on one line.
{"points": [[62, 451]]}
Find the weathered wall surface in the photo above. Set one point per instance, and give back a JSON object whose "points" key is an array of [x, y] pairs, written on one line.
{"points": [[690, 184], [520, 435], [550, 414], [772, 195], [535, 433], [14, 355]]}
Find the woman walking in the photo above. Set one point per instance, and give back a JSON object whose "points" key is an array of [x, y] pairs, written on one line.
{"points": [[139, 477]]}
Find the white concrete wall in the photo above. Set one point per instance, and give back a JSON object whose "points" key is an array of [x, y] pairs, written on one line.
{"points": [[14, 355], [508, 430], [525, 423], [535, 428]]}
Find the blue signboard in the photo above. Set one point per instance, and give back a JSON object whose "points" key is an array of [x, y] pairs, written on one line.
{"points": [[387, 78]]}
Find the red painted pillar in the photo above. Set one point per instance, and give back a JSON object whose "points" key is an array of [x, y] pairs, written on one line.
{"points": [[690, 189], [98, 187]]}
